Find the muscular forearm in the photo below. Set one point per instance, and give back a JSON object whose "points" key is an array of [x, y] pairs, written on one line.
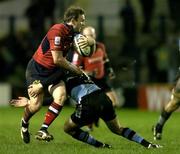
{"points": [[61, 62], [70, 67]]}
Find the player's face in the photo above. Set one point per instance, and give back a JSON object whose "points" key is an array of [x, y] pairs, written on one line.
{"points": [[79, 23]]}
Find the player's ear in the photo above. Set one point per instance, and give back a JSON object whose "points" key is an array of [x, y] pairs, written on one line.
{"points": [[73, 21]]}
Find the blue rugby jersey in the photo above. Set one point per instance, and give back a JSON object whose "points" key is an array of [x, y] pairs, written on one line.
{"points": [[82, 90], [78, 87]]}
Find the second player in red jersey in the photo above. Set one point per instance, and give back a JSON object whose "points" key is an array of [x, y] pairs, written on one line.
{"points": [[93, 65]]}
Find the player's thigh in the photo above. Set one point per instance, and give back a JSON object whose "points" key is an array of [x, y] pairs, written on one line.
{"points": [[58, 92]]}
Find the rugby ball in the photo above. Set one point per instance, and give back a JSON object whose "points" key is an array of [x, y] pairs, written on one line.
{"points": [[86, 51]]}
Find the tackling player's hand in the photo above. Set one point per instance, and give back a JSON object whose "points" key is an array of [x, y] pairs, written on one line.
{"points": [[35, 89], [20, 102]]}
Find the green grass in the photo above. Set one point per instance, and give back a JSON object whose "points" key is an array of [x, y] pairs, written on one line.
{"points": [[11, 143]]}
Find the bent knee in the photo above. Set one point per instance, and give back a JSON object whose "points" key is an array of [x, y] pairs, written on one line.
{"points": [[35, 103], [60, 99], [59, 94], [34, 107]]}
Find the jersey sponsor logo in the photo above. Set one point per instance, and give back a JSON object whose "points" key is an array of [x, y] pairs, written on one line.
{"points": [[57, 40]]}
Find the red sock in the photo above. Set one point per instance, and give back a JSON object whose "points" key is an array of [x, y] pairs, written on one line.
{"points": [[53, 111]]}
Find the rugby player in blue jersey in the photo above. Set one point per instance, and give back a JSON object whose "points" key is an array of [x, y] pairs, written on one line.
{"points": [[92, 103]]}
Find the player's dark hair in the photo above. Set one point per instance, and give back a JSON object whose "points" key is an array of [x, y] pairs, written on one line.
{"points": [[73, 12]]}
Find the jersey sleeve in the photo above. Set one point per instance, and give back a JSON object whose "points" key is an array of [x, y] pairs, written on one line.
{"points": [[55, 39]]}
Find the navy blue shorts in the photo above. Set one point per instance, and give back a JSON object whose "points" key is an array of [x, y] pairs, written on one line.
{"points": [[35, 71], [92, 107]]}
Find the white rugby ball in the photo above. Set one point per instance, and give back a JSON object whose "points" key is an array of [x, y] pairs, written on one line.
{"points": [[85, 52]]}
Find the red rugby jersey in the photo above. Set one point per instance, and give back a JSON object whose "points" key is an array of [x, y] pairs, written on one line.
{"points": [[94, 64], [58, 38]]}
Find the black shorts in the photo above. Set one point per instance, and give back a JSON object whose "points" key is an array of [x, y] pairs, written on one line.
{"points": [[93, 106], [103, 84], [35, 71]]}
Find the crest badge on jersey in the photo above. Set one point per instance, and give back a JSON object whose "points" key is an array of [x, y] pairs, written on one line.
{"points": [[57, 40]]}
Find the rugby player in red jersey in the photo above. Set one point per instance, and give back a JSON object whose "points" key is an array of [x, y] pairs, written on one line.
{"points": [[97, 67], [45, 69]]}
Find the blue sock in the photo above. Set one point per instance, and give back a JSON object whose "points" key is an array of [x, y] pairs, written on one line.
{"points": [[86, 137], [133, 136]]}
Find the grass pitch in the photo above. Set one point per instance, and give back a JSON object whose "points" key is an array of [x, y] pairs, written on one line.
{"points": [[140, 121]]}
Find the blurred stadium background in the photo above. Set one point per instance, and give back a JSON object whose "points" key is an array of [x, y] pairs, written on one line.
{"points": [[141, 38]]}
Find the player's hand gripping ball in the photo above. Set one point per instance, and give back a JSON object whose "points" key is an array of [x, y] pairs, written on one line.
{"points": [[81, 45]]}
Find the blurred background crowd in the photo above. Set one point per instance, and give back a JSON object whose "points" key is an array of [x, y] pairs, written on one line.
{"points": [[141, 37]]}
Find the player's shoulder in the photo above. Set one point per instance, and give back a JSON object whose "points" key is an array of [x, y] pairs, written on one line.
{"points": [[57, 26], [100, 45], [61, 27]]}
